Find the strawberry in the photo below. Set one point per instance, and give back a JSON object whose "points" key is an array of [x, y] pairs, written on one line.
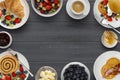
{"points": [[47, 1], [3, 77], [109, 19], [42, 11], [56, 1], [21, 68], [105, 2], [8, 17], [41, 5], [17, 20], [48, 7], [22, 76], [1, 13], [44, 4], [8, 77], [14, 74]]}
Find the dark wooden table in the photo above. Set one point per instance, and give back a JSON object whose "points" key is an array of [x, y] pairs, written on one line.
{"points": [[59, 40]]}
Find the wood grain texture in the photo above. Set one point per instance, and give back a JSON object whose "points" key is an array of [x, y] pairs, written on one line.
{"points": [[59, 40]]}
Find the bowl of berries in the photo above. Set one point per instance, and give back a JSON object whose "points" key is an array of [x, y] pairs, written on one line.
{"points": [[47, 8], [75, 71]]}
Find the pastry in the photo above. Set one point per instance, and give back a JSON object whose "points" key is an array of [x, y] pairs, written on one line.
{"points": [[14, 6], [8, 64], [101, 8], [111, 63], [114, 5]]}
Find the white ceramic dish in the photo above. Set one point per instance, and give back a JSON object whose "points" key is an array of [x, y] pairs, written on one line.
{"points": [[9, 42], [25, 18], [46, 15], [73, 63], [20, 57], [107, 45], [37, 76], [72, 15], [97, 16], [101, 60]]}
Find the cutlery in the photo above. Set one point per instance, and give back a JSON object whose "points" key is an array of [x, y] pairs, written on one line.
{"points": [[15, 54], [109, 26]]}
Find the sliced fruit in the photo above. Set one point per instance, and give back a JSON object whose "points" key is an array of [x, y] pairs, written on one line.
{"points": [[13, 74], [109, 19], [17, 20], [1, 13], [48, 7], [42, 11], [21, 68], [8, 17], [56, 1], [22, 76], [105, 2]]}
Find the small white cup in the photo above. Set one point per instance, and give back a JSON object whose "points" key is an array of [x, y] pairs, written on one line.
{"points": [[3, 47], [73, 11]]}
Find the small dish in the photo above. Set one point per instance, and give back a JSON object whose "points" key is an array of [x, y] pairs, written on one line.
{"points": [[72, 15], [49, 14], [75, 63], [103, 41], [10, 40], [37, 76], [101, 60]]}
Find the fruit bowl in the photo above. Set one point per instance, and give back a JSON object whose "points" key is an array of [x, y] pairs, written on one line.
{"points": [[44, 68], [80, 66], [47, 8]]}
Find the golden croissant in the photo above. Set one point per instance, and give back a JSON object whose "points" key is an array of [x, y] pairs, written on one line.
{"points": [[14, 6]]}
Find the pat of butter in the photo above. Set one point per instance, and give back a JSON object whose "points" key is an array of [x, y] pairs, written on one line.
{"points": [[109, 11]]}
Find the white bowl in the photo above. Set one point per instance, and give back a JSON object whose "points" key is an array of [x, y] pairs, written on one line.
{"points": [[37, 76], [9, 42], [46, 15], [109, 46], [74, 63]]}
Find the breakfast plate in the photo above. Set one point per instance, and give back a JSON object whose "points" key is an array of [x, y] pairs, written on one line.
{"points": [[74, 16], [101, 60], [21, 58], [12, 17], [98, 17]]}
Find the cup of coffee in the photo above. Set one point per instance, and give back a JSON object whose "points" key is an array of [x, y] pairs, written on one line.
{"points": [[77, 7]]}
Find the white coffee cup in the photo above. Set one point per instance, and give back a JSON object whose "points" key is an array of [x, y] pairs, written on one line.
{"points": [[81, 12]]}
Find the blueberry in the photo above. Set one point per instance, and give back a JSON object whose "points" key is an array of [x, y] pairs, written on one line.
{"points": [[41, 0], [4, 21], [25, 72], [52, 0], [12, 16], [4, 11], [46, 12], [74, 77]]}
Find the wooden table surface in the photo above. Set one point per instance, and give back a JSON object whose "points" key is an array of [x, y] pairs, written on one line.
{"points": [[59, 40]]}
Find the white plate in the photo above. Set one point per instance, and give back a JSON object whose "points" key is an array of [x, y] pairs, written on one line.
{"points": [[72, 63], [86, 12], [25, 18], [101, 60], [46, 15], [97, 16], [20, 57]]}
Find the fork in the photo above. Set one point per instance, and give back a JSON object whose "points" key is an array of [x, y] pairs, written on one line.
{"points": [[109, 26]]}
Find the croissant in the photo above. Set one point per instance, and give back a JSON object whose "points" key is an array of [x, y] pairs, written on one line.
{"points": [[14, 6]]}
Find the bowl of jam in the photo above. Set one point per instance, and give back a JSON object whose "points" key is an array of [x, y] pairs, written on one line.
{"points": [[5, 39]]}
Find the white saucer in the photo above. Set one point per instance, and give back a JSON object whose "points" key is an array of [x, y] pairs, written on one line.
{"points": [[97, 16], [101, 60], [87, 10]]}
